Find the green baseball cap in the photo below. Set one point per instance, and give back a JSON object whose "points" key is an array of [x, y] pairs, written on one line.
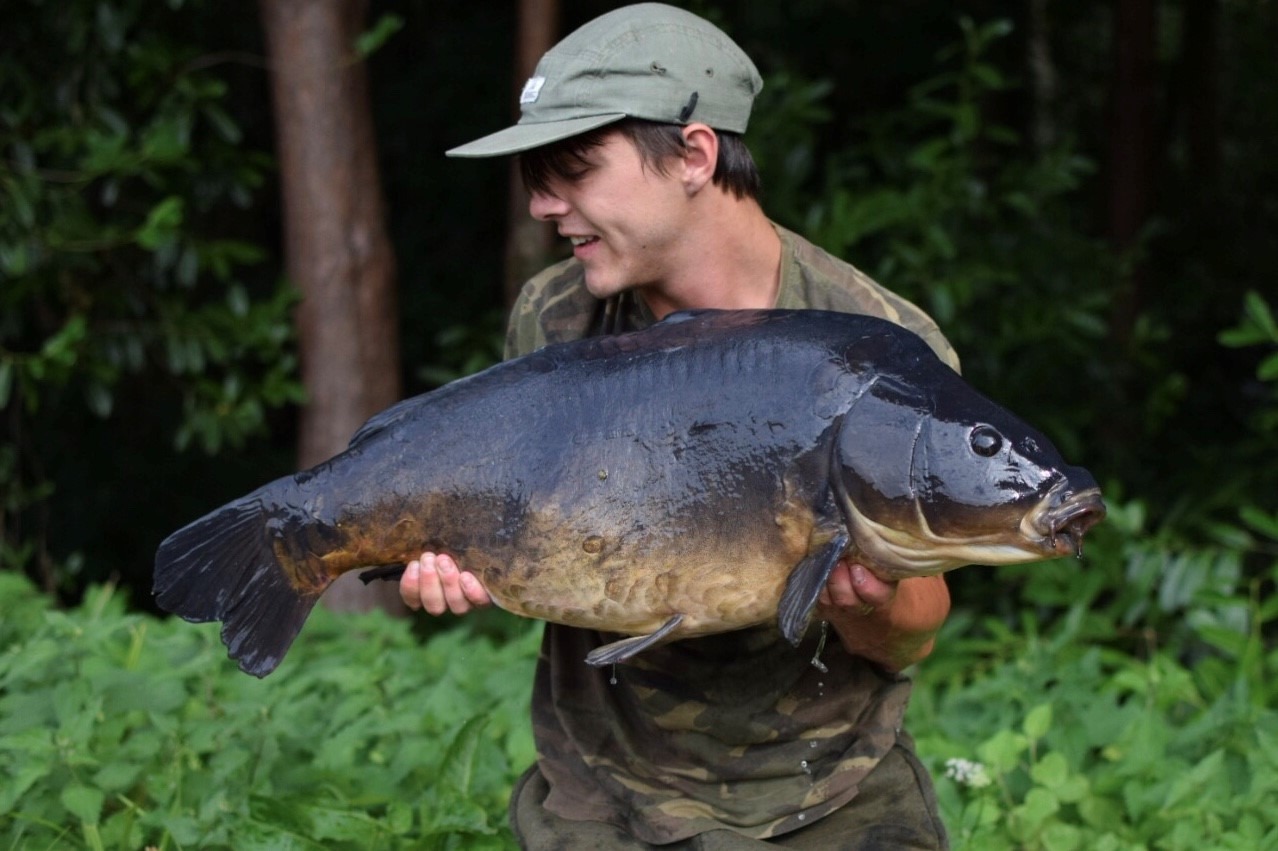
{"points": [[649, 61]]}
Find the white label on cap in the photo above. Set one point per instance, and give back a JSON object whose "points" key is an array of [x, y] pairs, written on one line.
{"points": [[532, 88]]}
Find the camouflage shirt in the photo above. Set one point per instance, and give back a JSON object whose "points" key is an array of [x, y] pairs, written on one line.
{"points": [[734, 731]]}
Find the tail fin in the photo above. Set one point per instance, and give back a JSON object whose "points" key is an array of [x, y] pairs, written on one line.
{"points": [[222, 567]]}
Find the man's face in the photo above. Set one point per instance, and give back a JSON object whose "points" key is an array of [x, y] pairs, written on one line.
{"points": [[623, 217]]}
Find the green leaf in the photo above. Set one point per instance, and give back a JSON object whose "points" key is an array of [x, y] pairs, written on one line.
{"points": [[459, 761], [1003, 750], [161, 223], [1038, 721], [1050, 771], [1268, 368], [1063, 837], [372, 39], [1259, 313], [168, 139], [184, 828], [1039, 806], [6, 382], [84, 802], [1208, 773]]}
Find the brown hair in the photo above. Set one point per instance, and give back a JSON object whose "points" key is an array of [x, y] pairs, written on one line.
{"points": [[656, 142]]}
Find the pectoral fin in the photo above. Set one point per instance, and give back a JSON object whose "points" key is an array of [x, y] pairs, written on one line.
{"points": [[804, 586], [389, 572], [619, 651]]}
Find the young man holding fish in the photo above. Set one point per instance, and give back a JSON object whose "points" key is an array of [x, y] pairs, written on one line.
{"points": [[630, 143]]}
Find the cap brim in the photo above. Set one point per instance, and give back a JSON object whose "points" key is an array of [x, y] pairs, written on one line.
{"points": [[525, 137]]}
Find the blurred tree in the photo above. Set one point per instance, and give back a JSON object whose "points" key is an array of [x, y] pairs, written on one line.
{"points": [[528, 241], [1133, 148], [335, 243]]}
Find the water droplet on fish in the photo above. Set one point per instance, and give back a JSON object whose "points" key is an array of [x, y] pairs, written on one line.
{"points": [[802, 816], [613, 679], [812, 744], [804, 765]]}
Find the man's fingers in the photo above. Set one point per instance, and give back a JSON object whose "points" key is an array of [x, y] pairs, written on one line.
{"points": [[852, 586], [436, 584], [838, 589], [409, 590], [475, 593], [869, 589]]}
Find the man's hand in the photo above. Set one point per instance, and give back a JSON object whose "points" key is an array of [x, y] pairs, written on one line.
{"points": [[434, 583], [893, 624]]}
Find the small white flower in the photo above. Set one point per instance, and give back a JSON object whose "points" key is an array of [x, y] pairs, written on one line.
{"points": [[967, 773]]}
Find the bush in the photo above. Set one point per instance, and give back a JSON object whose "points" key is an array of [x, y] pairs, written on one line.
{"points": [[1060, 745], [120, 730]]}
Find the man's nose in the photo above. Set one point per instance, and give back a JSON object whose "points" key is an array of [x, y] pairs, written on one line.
{"points": [[544, 206]]}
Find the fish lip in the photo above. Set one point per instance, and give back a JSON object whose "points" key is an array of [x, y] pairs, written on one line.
{"points": [[1066, 517]]}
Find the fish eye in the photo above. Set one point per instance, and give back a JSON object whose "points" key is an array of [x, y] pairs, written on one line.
{"points": [[985, 441]]}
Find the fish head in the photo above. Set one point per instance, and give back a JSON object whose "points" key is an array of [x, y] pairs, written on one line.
{"points": [[931, 475]]}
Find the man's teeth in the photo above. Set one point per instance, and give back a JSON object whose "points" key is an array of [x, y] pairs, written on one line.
{"points": [[581, 240]]}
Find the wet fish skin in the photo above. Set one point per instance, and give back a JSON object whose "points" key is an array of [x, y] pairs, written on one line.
{"points": [[699, 476]]}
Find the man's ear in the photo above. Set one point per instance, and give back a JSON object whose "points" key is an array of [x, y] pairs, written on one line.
{"points": [[700, 156]]}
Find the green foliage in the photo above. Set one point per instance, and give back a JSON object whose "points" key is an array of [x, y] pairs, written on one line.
{"points": [[118, 730], [1048, 742], [121, 272], [119, 154], [1258, 328], [950, 208], [1124, 702], [466, 348]]}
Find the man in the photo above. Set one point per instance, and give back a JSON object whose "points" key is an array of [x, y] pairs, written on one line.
{"points": [[630, 143]]}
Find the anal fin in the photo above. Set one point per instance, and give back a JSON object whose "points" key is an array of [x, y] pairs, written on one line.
{"points": [[619, 651], [804, 586]]}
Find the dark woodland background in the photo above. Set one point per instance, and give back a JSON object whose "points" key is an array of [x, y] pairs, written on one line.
{"points": [[203, 284]]}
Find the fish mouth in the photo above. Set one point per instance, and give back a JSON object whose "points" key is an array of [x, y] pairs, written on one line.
{"points": [[1064, 517]]}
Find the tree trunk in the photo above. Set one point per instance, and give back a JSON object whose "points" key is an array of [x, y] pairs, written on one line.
{"points": [[1132, 130], [336, 248], [1042, 75], [1200, 64], [528, 241]]}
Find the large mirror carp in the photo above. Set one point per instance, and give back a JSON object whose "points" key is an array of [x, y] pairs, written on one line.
{"points": [[699, 476]]}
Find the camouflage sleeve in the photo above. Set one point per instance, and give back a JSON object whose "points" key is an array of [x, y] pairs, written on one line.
{"points": [[814, 278], [553, 307]]}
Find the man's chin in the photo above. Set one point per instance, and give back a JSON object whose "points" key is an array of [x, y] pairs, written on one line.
{"points": [[602, 288]]}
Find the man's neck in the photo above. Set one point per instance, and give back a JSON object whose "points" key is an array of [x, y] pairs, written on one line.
{"points": [[732, 260]]}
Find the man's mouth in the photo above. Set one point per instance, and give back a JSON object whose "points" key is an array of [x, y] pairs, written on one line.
{"points": [[578, 241]]}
